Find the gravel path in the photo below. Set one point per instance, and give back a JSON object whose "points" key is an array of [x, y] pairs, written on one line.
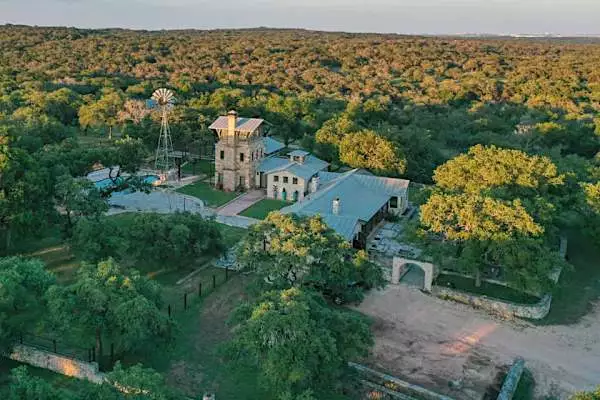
{"points": [[431, 341]]}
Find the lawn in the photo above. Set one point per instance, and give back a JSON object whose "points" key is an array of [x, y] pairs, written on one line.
{"points": [[208, 194], [488, 289], [261, 209], [579, 287]]}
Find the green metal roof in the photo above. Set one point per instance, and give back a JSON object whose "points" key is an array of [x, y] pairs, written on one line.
{"points": [[361, 197]]}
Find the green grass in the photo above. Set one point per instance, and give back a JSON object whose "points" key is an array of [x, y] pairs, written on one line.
{"points": [[261, 209], [488, 289], [197, 167], [211, 196], [578, 287], [232, 234]]}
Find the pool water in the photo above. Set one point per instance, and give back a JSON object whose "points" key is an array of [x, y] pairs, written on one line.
{"points": [[106, 183]]}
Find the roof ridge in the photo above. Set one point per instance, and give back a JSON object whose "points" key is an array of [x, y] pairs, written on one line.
{"points": [[337, 181]]}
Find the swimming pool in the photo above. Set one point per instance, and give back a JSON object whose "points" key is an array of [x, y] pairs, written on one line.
{"points": [[106, 183]]}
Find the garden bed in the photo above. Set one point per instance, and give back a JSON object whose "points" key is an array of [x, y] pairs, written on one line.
{"points": [[488, 289]]}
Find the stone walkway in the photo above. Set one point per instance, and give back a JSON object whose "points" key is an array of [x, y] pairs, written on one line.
{"points": [[239, 204]]}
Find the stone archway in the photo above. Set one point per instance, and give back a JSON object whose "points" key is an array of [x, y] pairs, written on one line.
{"points": [[399, 268]]}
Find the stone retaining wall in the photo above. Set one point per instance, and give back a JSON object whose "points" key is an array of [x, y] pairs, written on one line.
{"points": [[57, 363], [501, 308]]}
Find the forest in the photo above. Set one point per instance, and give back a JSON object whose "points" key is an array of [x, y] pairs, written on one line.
{"points": [[504, 133]]}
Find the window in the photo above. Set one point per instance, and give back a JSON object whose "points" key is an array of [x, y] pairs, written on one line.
{"points": [[276, 178], [222, 155], [394, 202], [219, 178], [242, 181], [295, 181], [241, 157], [285, 179]]}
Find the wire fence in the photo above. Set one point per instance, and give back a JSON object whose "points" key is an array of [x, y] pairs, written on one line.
{"points": [[56, 346], [176, 304]]}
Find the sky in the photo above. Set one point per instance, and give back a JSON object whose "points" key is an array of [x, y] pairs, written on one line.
{"points": [[560, 17]]}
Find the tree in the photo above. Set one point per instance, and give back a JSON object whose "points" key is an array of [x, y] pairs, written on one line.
{"points": [[110, 303], [103, 112], [96, 239], [296, 341], [23, 283], [494, 208], [78, 197], [23, 386], [593, 395], [366, 149], [133, 383], [291, 251]]}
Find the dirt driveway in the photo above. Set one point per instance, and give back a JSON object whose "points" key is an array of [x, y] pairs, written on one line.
{"points": [[430, 341]]}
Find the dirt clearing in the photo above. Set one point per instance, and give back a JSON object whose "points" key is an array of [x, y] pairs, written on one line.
{"points": [[430, 341]]}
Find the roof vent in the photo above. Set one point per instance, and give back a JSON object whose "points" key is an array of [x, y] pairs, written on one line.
{"points": [[336, 206]]}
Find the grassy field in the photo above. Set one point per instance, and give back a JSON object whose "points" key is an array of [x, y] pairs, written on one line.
{"points": [[261, 209], [488, 289], [579, 287], [206, 193]]}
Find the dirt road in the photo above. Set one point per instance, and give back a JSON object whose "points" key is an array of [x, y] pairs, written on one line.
{"points": [[431, 341]]}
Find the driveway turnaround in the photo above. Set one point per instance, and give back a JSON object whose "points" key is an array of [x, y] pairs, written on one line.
{"points": [[433, 342]]}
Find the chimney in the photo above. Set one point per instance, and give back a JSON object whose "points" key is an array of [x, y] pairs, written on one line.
{"points": [[336, 206], [231, 122], [314, 184]]}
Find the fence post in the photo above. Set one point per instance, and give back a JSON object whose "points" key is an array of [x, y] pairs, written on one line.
{"points": [[112, 354], [185, 301], [200, 289], [214, 281], [169, 310], [54, 345]]}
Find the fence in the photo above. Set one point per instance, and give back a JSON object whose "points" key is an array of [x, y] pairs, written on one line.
{"points": [[56, 346], [201, 288], [106, 361]]}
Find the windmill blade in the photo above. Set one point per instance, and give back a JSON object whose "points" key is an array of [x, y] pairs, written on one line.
{"points": [[163, 96]]}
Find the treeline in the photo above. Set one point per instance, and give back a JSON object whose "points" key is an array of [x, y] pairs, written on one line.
{"points": [[426, 99]]}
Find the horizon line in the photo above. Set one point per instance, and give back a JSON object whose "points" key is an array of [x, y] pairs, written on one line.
{"points": [[540, 35]]}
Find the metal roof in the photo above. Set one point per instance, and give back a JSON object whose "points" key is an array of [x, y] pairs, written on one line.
{"points": [[311, 166], [272, 163], [272, 145], [361, 197], [241, 124]]}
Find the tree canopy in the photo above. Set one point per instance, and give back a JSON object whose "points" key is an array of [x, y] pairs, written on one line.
{"points": [[290, 251], [107, 302], [23, 283], [296, 341]]}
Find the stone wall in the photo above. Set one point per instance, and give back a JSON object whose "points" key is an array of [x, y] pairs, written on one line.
{"points": [[57, 363], [501, 308]]}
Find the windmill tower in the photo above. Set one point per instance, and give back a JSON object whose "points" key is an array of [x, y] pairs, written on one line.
{"points": [[163, 100]]}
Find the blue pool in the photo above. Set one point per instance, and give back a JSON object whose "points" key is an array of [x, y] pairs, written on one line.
{"points": [[105, 183]]}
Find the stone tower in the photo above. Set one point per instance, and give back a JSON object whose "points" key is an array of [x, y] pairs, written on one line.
{"points": [[238, 152]]}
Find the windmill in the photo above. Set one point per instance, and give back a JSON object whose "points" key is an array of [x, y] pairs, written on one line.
{"points": [[163, 100]]}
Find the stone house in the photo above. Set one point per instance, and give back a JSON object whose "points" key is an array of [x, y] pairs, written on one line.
{"points": [[352, 202]]}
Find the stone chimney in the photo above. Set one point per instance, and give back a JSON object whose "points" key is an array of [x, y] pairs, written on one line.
{"points": [[314, 184], [231, 122], [336, 206]]}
